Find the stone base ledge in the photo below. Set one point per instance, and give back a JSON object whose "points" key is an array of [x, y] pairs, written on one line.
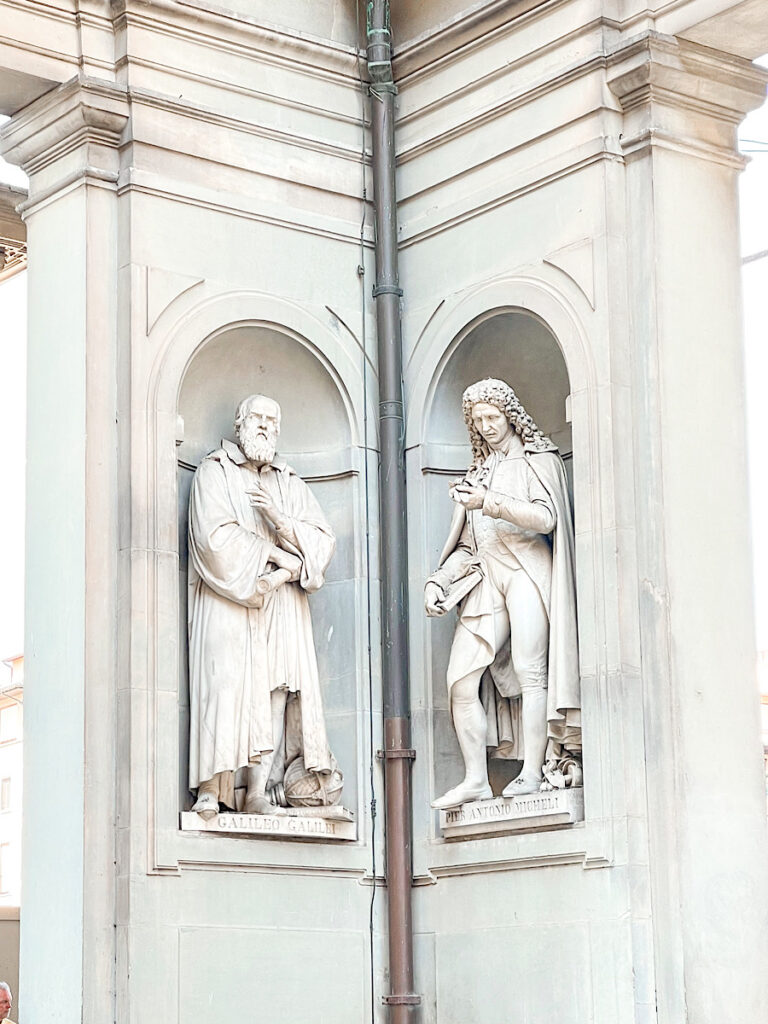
{"points": [[291, 823], [480, 818]]}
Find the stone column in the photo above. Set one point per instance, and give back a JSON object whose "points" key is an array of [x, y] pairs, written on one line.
{"points": [[67, 142], [682, 104]]}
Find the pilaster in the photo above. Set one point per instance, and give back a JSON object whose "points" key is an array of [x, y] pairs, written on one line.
{"points": [[68, 143], [682, 104]]}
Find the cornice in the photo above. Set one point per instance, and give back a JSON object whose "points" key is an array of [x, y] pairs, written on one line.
{"points": [[216, 27], [302, 222], [44, 10], [499, 109], [675, 142], [468, 31], [240, 89], [81, 111], [414, 233], [196, 112], [548, 51], [673, 72]]}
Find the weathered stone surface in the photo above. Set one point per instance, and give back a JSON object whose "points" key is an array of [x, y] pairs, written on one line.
{"points": [[513, 814], [335, 823]]}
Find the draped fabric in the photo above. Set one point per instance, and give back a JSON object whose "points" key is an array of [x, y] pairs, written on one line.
{"points": [[500, 690], [243, 645]]}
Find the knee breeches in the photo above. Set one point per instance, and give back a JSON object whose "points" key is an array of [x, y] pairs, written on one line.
{"points": [[519, 616]]}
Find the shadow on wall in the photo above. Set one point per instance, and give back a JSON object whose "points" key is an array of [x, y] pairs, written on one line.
{"points": [[518, 348], [316, 441]]}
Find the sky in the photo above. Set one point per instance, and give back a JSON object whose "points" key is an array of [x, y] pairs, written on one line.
{"points": [[754, 235]]}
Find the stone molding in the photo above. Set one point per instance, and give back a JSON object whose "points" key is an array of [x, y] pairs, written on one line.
{"points": [[52, 42], [227, 31], [440, 219], [82, 113], [681, 95], [234, 88], [661, 67], [193, 111], [504, 106], [246, 208], [468, 29]]}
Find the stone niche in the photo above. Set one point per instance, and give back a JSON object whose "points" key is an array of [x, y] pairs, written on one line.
{"points": [[520, 349], [316, 440]]}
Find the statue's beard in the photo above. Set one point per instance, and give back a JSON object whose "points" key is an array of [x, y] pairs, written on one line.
{"points": [[256, 446]]}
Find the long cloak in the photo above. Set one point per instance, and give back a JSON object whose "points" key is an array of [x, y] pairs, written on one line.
{"points": [[240, 652], [500, 690]]}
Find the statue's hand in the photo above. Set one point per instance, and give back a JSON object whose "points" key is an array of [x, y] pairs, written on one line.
{"points": [[286, 560], [468, 496], [261, 499], [433, 597]]}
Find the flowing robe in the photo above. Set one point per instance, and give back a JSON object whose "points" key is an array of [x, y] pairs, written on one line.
{"points": [[243, 645]]}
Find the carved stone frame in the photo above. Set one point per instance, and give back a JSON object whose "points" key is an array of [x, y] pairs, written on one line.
{"points": [[546, 294], [196, 316]]}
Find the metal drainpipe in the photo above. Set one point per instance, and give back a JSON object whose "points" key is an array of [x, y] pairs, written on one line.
{"points": [[397, 751]]}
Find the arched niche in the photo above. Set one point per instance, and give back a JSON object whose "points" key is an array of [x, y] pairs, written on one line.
{"points": [[517, 347], [316, 441], [254, 359]]}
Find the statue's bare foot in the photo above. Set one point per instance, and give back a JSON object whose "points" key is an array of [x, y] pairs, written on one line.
{"points": [[207, 806], [462, 794], [257, 803], [523, 785]]}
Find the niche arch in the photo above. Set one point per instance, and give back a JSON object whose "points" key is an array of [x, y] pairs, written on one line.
{"points": [[538, 297], [515, 346], [254, 358]]}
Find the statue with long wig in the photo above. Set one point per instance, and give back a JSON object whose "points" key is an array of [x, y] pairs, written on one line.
{"points": [[508, 565]]}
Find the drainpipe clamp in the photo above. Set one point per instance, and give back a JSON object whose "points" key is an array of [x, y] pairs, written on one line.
{"points": [[388, 755], [386, 289], [411, 999]]}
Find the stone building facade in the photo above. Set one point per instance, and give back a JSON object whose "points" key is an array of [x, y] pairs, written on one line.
{"points": [[198, 226]]}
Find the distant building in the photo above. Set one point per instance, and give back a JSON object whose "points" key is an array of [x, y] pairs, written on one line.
{"points": [[11, 773]]}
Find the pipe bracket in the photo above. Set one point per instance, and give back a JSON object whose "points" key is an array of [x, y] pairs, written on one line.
{"points": [[378, 89], [411, 999], [386, 289], [390, 410], [388, 755]]}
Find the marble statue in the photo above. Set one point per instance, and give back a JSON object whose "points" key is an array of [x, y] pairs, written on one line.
{"points": [[258, 545], [513, 672]]}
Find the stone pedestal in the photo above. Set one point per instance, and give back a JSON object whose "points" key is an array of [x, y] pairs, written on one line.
{"points": [[293, 823], [516, 814]]}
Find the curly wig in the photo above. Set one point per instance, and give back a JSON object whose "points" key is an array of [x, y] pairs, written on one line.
{"points": [[496, 392]]}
